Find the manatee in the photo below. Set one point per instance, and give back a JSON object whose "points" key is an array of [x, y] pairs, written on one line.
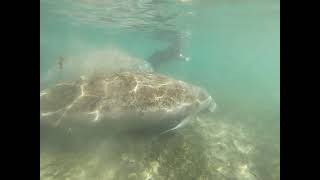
{"points": [[122, 101]]}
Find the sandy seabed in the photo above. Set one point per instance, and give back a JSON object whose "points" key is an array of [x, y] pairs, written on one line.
{"points": [[207, 148]]}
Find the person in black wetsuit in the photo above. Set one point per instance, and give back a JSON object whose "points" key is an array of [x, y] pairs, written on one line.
{"points": [[60, 62], [172, 52]]}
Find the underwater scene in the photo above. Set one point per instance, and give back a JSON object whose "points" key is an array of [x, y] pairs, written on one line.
{"points": [[160, 90]]}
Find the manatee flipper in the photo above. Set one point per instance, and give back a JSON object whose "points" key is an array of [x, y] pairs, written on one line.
{"points": [[181, 124]]}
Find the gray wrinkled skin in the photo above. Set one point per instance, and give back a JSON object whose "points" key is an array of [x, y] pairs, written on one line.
{"points": [[124, 101]]}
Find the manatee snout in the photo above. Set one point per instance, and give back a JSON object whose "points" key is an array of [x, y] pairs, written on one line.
{"points": [[205, 100]]}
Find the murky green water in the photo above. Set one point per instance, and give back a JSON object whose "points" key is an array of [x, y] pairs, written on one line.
{"points": [[234, 53]]}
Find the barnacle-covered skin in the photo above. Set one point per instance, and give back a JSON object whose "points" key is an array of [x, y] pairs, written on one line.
{"points": [[122, 101]]}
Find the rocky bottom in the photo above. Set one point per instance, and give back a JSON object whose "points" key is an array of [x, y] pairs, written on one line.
{"points": [[208, 148]]}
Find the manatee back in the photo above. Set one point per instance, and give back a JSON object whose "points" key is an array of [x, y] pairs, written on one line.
{"points": [[123, 101]]}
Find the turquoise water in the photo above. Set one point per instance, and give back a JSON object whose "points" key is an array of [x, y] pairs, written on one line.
{"points": [[234, 51]]}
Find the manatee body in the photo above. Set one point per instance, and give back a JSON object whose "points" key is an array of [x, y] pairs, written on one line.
{"points": [[121, 101]]}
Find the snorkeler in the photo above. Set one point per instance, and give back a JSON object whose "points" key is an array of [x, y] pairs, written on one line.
{"points": [[173, 51], [60, 62]]}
